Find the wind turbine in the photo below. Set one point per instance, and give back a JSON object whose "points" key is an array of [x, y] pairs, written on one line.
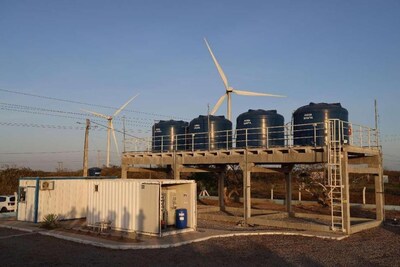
{"points": [[110, 128], [228, 89]]}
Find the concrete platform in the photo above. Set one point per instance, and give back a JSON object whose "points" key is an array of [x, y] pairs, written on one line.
{"points": [[149, 242]]}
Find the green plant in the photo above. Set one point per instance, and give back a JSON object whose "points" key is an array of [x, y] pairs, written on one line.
{"points": [[50, 221]]}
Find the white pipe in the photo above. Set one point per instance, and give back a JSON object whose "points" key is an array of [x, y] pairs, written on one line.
{"points": [[364, 202]]}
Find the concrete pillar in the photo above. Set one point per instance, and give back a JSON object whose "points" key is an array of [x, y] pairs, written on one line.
{"points": [[288, 199], [246, 168], [176, 168], [221, 191], [379, 197], [346, 194], [177, 171], [124, 171]]}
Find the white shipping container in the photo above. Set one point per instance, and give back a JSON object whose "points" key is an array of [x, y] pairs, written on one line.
{"points": [[38, 197], [134, 205]]}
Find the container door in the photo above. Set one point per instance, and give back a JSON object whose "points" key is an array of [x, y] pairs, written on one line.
{"points": [[148, 215], [26, 204]]}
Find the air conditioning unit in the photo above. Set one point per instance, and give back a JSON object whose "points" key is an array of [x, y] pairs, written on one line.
{"points": [[46, 185]]}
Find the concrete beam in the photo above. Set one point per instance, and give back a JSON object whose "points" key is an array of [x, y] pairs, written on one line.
{"points": [[152, 170], [365, 226], [289, 225], [370, 161], [259, 169], [188, 169], [362, 170]]}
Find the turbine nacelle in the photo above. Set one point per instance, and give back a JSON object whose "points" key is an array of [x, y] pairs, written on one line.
{"points": [[110, 126], [229, 89]]}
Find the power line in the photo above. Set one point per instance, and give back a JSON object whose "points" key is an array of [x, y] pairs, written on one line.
{"points": [[47, 126], [60, 127], [40, 152], [140, 138], [49, 112], [87, 104]]}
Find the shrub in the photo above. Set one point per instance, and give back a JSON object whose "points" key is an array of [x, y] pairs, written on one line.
{"points": [[50, 221]]}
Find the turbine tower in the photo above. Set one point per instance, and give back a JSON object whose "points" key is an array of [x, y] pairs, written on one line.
{"points": [[110, 127], [228, 89]]}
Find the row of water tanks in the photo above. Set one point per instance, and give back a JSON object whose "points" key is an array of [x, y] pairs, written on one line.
{"points": [[255, 128]]}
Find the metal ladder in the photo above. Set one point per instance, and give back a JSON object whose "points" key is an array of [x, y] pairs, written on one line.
{"points": [[334, 169]]}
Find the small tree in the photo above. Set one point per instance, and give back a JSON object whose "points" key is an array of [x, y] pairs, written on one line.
{"points": [[311, 178]]}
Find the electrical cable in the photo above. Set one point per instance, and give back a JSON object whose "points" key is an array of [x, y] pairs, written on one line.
{"points": [[87, 104]]}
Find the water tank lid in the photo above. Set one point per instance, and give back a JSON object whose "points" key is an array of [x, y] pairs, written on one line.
{"points": [[212, 117], [323, 104], [171, 121], [263, 111]]}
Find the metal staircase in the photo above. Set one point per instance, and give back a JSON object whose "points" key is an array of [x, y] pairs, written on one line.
{"points": [[334, 169]]}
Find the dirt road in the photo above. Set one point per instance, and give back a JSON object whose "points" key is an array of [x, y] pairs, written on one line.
{"points": [[377, 247]]}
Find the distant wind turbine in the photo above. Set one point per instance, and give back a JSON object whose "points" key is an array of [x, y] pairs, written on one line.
{"points": [[110, 127], [229, 89]]}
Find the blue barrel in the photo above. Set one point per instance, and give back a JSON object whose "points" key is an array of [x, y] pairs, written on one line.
{"points": [[181, 218]]}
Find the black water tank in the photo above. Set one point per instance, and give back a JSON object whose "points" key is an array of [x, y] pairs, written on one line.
{"points": [[169, 136], [217, 128], [260, 128], [309, 128]]}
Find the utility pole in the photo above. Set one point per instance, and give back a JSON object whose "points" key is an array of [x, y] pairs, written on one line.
{"points": [[376, 122], [123, 123], [60, 166], [86, 149], [98, 158], [376, 115], [208, 125]]}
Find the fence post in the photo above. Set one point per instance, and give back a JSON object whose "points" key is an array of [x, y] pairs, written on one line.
{"points": [[246, 138], [272, 192], [369, 137], [227, 139], [315, 134], [193, 142]]}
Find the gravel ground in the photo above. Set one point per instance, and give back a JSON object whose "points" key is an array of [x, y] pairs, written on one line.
{"points": [[376, 247]]}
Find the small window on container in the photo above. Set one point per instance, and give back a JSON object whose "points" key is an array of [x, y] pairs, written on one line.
{"points": [[22, 194], [96, 188]]}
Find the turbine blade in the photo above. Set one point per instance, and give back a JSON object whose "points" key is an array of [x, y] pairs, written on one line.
{"points": [[124, 105], [221, 72], [96, 114], [248, 93], [115, 138], [216, 107]]}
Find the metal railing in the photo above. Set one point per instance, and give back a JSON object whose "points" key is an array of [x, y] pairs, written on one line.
{"points": [[289, 135]]}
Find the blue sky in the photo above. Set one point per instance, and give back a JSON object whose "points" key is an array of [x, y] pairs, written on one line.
{"points": [[104, 52]]}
